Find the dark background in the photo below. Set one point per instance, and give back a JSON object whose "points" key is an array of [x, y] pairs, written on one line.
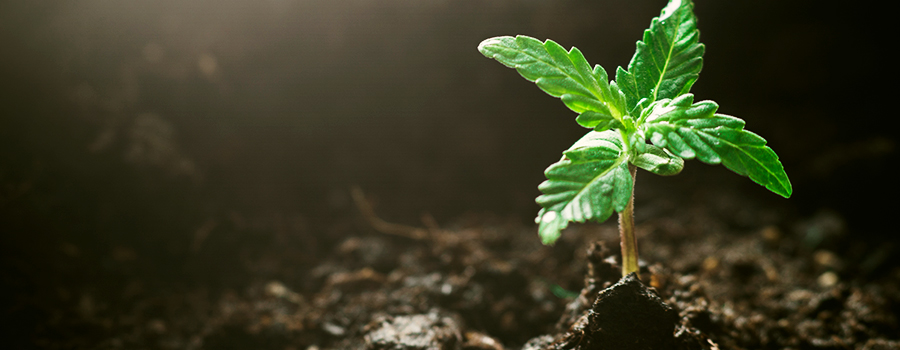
{"points": [[139, 125]]}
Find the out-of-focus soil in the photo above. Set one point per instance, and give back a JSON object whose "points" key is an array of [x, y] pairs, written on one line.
{"points": [[176, 175], [738, 274]]}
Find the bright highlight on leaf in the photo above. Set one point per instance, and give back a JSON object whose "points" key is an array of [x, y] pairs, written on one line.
{"points": [[587, 184], [668, 59], [560, 73], [694, 130], [646, 118]]}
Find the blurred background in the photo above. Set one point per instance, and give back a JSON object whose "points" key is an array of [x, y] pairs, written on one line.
{"points": [[130, 130]]}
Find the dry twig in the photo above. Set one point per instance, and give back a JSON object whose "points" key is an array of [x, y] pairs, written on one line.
{"points": [[380, 225]]}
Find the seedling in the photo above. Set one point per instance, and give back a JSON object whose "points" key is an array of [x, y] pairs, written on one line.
{"points": [[646, 118]]}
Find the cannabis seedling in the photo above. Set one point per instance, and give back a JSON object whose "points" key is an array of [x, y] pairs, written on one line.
{"points": [[646, 118]]}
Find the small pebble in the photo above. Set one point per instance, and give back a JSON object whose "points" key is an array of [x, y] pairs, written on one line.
{"points": [[771, 234], [710, 263], [828, 279], [276, 289], [333, 329], [799, 295], [826, 258]]}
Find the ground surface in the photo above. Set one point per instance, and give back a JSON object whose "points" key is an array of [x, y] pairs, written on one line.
{"points": [[178, 174], [739, 274]]}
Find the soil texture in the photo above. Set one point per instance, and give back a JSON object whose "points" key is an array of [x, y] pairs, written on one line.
{"points": [[718, 272]]}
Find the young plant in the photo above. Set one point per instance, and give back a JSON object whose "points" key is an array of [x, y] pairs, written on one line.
{"points": [[646, 118]]}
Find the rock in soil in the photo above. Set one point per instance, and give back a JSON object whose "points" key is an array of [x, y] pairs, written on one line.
{"points": [[422, 331]]}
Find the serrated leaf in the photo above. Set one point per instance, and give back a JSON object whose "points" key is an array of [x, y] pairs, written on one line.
{"points": [[659, 161], [597, 121], [695, 130], [588, 184], [560, 73], [668, 59], [550, 226]]}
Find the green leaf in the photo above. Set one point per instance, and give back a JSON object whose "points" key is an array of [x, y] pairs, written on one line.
{"points": [[691, 130], [668, 60], [587, 184], [560, 73], [658, 161], [598, 121]]}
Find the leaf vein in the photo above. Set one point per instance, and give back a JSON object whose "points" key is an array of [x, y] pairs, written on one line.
{"points": [[750, 156]]}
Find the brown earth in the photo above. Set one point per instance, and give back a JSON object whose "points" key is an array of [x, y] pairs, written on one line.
{"points": [[177, 175], [736, 275]]}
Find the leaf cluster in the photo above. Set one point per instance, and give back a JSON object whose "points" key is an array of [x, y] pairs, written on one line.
{"points": [[646, 118]]}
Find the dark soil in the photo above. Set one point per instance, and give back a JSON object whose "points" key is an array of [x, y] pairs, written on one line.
{"points": [[178, 175], [723, 273]]}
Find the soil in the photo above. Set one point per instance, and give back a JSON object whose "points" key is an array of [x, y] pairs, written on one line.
{"points": [[179, 175], [719, 271]]}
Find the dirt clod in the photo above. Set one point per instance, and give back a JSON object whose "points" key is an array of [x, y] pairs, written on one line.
{"points": [[627, 315], [423, 331]]}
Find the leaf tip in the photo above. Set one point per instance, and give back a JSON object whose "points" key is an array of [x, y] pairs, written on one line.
{"points": [[485, 45], [482, 46], [670, 9], [786, 191], [550, 226]]}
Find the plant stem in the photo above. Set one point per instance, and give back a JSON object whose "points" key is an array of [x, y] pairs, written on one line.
{"points": [[626, 231]]}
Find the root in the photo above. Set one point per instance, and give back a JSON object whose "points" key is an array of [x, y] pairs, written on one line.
{"points": [[380, 225]]}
